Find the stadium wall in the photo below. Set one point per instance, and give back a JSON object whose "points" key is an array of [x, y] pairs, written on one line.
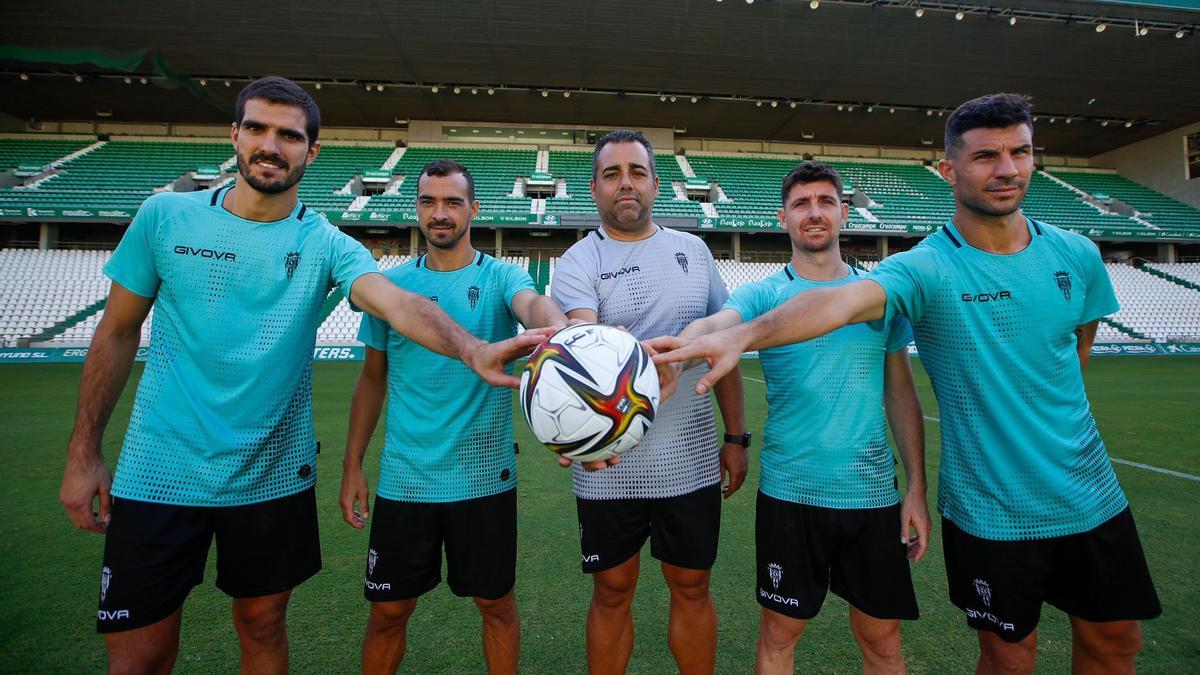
{"points": [[1159, 163]]}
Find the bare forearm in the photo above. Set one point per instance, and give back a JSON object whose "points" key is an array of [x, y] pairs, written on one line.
{"points": [[545, 312], [808, 315], [426, 324], [365, 408], [728, 392], [908, 427], [105, 372]]}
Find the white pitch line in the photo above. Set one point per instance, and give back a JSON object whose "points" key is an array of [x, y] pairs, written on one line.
{"points": [[1148, 467], [1177, 474]]}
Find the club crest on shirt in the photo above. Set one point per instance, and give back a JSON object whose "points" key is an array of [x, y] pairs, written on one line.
{"points": [[105, 580], [681, 258], [291, 262], [1064, 283], [776, 573], [473, 296], [985, 592]]}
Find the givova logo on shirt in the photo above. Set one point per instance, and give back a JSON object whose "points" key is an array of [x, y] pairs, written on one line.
{"points": [[212, 254]]}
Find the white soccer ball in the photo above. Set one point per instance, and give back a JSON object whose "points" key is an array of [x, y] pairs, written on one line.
{"points": [[589, 392]]}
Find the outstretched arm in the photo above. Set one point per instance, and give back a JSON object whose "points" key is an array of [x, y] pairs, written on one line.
{"points": [[806, 316], [423, 322], [534, 310], [365, 406], [105, 372], [908, 427]]}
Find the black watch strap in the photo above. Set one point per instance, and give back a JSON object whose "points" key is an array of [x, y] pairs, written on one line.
{"points": [[742, 440]]}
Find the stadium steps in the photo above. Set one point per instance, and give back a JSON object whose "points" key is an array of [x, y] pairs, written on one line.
{"points": [[539, 271], [1124, 329], [1169, 277], [335, 296], [76, 318]]}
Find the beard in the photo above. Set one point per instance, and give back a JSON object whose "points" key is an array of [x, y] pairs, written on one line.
{"points": [[977, 202], [442, 243], [270, 187]]}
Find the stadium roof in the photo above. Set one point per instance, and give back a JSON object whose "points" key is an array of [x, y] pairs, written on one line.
{"points": [[622, 60]]}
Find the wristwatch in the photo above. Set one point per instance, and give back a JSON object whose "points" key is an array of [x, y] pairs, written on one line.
{"points": [[742, 440]]}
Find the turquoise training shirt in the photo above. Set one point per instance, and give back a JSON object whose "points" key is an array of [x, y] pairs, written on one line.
{"points": [[1021, 455], [449, 433], [223, 412], [825, 442]]}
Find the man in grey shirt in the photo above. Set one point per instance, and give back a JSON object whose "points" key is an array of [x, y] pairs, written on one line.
{"points": [[653, 281]]}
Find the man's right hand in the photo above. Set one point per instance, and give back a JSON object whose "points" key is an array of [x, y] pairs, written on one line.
{"points": [[354, 491], [721, 351], [85, 478]]}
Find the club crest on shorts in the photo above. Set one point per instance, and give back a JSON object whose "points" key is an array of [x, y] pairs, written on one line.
{"points": [[681, 258], [105, 580], [473, 296], [776, 574], [984, 591], [372, 557], [291, 262], [1063, 279]]}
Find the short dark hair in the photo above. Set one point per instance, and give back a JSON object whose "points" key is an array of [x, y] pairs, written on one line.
{"points": [[994, 111], [810, 172], [282, 90], [448, 167], [622, 136]]}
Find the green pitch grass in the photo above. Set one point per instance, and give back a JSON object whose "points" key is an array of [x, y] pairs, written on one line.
{"points": [[49, 572]]}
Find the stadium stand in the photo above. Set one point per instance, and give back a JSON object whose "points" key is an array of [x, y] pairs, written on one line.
{"points": [[117, 174], [495, 171], [41, 152], [1187, 272], [42, 289], [575, 168], [336, 166], [1153, 307], [1152, 206], [1056, 204], [901, 194]]}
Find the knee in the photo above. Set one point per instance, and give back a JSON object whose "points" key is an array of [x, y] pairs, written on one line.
{"points": [[391, 615], [778, 632], [1005, 657], [613, 592], [690, 586], [1115, 639], [502, 609], [881, 640], [261, 621]]}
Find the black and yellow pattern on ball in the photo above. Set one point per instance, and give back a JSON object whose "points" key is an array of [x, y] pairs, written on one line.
{"points": [[623, 405]]}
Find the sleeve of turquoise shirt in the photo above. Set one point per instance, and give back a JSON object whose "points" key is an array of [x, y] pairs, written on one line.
{"points": [[513, 280], [1099, 299], [349, 261], [132, 264], [900, 335], [749, 300], [909, 279], [372, 332]]}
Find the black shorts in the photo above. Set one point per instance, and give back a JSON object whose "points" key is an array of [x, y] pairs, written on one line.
{"points": [[683, 530], [405, 555], [155, 553], [1098, 575], [803, 551]]}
